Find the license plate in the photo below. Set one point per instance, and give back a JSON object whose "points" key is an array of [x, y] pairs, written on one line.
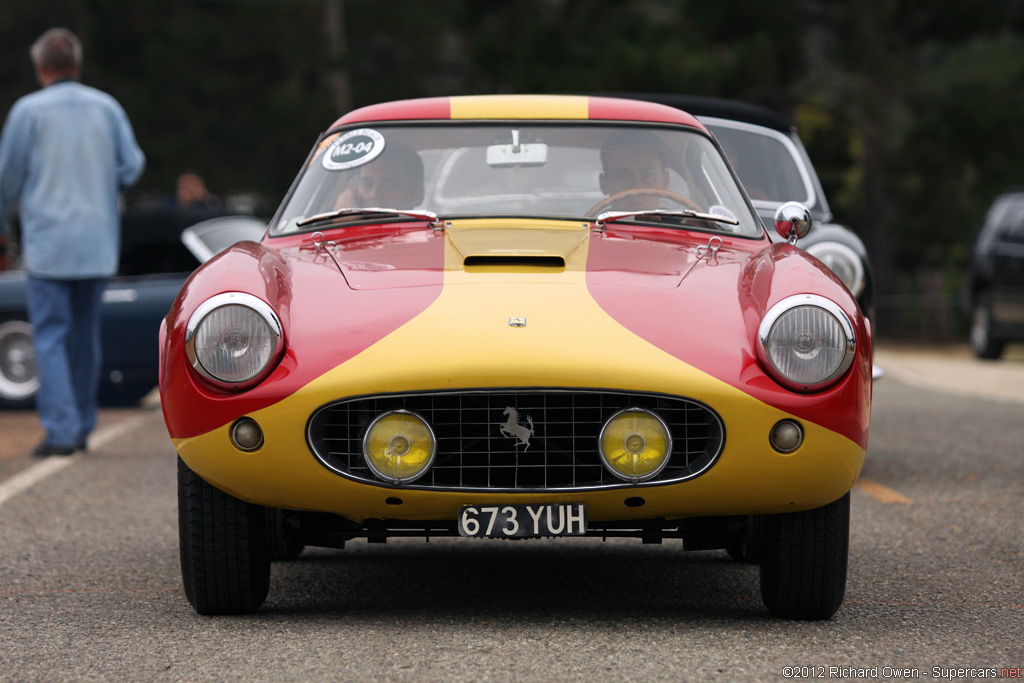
{"points": [[522, 521]]}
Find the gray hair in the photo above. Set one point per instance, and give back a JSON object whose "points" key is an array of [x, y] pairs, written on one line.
{"points": [[57, 51]]}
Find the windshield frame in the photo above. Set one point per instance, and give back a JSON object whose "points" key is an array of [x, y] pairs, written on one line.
{"points": [[814, 198], [754, 230]]}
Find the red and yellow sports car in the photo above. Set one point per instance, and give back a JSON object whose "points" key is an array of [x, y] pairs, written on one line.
{"points": [[517, 316]]}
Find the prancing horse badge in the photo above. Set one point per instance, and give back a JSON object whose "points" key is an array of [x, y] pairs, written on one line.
{"points": [[511, 427]]}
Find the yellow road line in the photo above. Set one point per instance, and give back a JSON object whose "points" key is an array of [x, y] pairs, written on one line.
{"points": [[881, 493]]}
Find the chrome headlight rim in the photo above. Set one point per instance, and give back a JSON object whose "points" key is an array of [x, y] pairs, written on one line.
{"points": [[649, 475], [822, 251], [776, 312], [19, 372], [254, 303], [383, 476]]}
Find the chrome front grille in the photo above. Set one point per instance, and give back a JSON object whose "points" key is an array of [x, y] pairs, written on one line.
{"points": [[474, 453]]}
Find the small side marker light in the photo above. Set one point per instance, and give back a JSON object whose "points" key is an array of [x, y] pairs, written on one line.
{"points": [[786, 436], [246, 435]]}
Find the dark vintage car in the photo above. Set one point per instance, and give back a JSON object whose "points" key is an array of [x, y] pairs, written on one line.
{"points": [[774, 167], [509, 317], [159, 252], [994, 288]]}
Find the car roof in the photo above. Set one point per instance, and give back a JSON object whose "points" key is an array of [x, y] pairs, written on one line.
{"points": [[718, 107], [526, 107]]}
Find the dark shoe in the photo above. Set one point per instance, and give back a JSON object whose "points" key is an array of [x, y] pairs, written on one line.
{"points": [[45, 450]]}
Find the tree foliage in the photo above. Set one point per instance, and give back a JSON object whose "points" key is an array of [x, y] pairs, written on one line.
{"points": [[909, 109]]}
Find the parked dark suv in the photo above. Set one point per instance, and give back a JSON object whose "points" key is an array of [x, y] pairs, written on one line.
{"points": [[995, 284]]}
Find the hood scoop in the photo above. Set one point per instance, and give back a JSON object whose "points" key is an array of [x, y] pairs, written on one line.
{"points": [[517, 245], [514, 260]]}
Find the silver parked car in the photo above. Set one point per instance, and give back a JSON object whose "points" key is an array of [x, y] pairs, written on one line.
{"points": [[771, 162]]}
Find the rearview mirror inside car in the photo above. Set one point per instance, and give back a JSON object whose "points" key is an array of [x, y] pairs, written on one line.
{"points": [[517, 154]]}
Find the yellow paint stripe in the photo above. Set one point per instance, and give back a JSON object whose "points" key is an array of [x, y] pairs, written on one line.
{"points": [[519, 107], [569, 341], [880, 492]]}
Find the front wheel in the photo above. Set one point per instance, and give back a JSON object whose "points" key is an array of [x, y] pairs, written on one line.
{"points": [[803, 561], [224, 545], [983, 344], [19, 377]]}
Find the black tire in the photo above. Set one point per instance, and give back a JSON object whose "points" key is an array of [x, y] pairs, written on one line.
{"points": [[804, 559], [983, 343], [225, 552]]}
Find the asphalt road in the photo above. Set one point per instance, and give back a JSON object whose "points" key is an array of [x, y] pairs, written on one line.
{"points": [[90, 586]]}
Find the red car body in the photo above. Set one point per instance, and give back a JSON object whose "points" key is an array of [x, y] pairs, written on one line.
{"points": [[648, 308]]}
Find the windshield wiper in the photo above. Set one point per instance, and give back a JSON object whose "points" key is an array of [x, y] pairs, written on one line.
{"points": [[367, 212], [612, 216]]}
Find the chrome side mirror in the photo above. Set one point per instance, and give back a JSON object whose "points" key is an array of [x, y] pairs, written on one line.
{"points": [[793, 221]]}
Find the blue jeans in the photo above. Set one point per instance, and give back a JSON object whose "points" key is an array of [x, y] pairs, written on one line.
{"points": [[65, 316]]}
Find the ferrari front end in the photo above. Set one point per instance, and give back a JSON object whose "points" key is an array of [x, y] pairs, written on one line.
{"points": [[513, 360]]}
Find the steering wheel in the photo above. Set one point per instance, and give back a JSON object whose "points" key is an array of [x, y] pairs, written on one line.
{"points": [[641, 191]]}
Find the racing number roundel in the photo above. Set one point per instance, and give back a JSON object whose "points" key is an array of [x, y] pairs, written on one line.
{"points": [[354, 148]]}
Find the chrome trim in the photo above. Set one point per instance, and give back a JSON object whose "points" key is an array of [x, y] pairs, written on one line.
{"points": [[233, 434], [255, 304], [822, 250], [196, 245], [16, 337], [793, 221], [401, 480], [649, 475], [710, 251], [798, 301], [321, 243]]}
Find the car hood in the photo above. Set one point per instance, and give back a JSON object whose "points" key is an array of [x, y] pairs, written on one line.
{"points": [[415, 308], [489, 251]]}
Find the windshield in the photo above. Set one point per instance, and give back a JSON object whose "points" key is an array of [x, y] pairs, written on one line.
{"points": [[573, 170], [766, 162]]}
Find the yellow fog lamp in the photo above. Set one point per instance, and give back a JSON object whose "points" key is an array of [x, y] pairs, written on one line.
{"points": [[399, 447], [635, 445]]}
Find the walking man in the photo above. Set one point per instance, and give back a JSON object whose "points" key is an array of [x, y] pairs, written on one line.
{"points": [[66, 153]]}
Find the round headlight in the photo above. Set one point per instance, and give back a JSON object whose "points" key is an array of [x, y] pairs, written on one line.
{"points": [[843, 261], [807, 342], [399, 447], [232, 338], [635, 445]]}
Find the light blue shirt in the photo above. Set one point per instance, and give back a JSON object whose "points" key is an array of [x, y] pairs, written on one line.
{"points": [[66, 153]]}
